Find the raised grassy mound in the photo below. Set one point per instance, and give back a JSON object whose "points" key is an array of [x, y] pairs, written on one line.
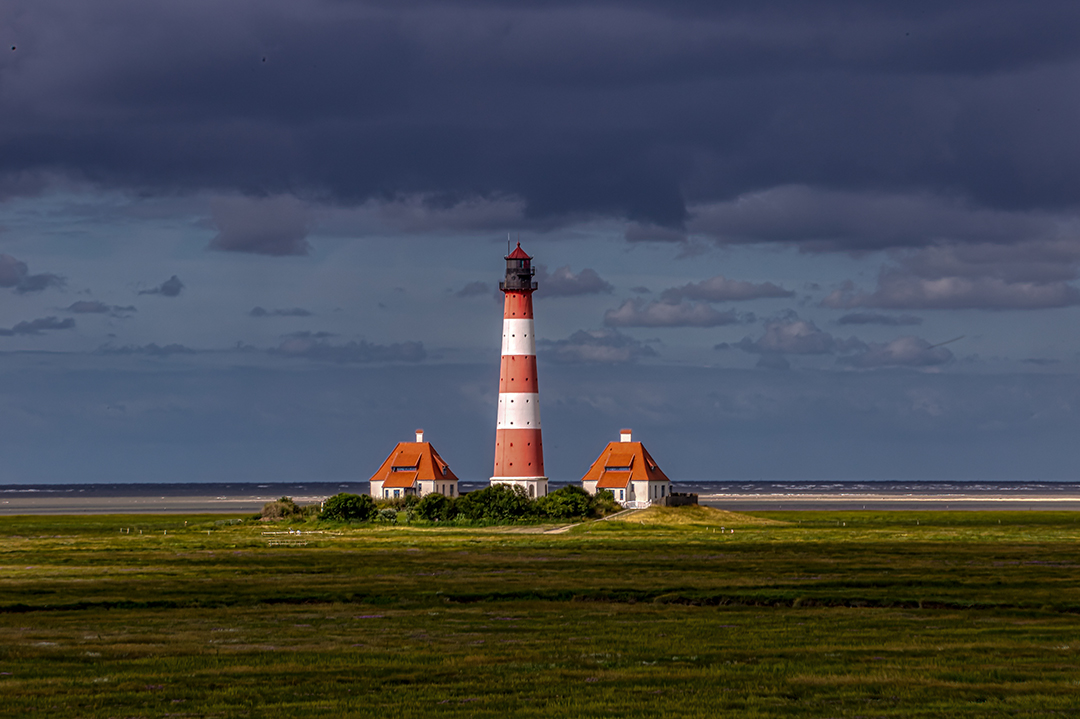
{"points": [[695, 515]]}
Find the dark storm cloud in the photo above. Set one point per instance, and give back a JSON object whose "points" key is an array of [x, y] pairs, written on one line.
{"points": [[637, 313], [830, 220], [667, 114], [474, 289], [721, 289], [876, 318], [96, 307], [36, 327], [564, 283], [88, 307], [310, 347], [16, 274], [171, 287], [262, 226], [293, 312], [596, 346]]}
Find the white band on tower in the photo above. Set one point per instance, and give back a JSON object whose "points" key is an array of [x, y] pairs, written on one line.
{"points": [[518, 410], [518, 338]]}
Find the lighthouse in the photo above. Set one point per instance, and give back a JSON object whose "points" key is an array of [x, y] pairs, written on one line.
{"points": [[519, 451]]}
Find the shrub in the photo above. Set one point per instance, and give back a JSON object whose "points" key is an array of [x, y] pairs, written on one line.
{"points": [[388, 515], [399, 503], [284, 508], [604, 503], [497, 503], [571, 502], [435, 508], [348, 508]]}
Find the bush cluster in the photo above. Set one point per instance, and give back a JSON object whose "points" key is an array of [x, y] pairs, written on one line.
{"points": [[504, 504], [348, 508], [285, 509], [498, 504]]}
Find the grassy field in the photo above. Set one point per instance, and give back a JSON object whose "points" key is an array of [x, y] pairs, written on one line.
{"points": [[664, 613]]}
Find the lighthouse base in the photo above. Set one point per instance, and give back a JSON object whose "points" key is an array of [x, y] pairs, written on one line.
{"points": [[533, 486]]}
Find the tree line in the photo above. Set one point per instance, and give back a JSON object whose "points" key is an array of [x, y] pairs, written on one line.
{"points": [[497, 504]]}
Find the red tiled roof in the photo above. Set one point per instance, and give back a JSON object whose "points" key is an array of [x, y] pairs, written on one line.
{"points": [[518, 254], [613, 480], [623, 462], [619, 458], [421, 461], [400, 479], [407, 457]]}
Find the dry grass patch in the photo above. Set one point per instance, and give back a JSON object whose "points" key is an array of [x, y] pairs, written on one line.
{"points": [[696, 515]]}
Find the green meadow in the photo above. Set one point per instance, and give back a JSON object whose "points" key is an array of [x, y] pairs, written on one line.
{"points": [[665, 613]]}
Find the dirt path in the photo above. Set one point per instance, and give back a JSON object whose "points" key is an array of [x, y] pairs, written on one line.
{"points": [[568, 527]]}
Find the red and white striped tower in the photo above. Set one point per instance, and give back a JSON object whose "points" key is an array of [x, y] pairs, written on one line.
{"points": [[519, 451]]}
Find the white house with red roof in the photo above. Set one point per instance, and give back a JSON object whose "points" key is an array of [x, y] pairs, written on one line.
{"points": [[413, 468], [626, 469]]}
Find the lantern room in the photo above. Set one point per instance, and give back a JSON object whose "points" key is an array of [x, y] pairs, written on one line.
{"points": [[519, 272]]}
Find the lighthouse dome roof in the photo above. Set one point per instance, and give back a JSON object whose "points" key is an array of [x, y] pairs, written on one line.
{"points": [[518, 254]]}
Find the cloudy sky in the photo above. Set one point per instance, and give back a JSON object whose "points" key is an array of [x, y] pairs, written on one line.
{"points": [[254, 241]]}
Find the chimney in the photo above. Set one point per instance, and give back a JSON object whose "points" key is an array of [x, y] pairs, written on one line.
{"points": [[419, 435], [625, 436]]}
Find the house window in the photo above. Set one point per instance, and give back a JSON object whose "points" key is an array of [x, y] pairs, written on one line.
{"points": [[386, 493], [620, 494], [397, 493], [661, 490]]}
